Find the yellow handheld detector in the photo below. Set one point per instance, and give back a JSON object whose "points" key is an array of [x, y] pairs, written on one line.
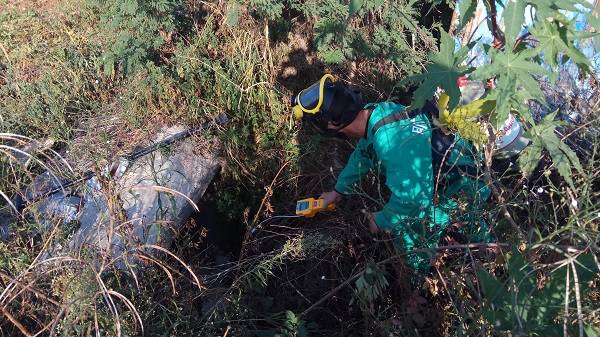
{"points": [[311, 206]]}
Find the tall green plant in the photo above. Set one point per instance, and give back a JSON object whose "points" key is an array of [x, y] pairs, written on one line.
{"points": [[346, 31], [515, 66], [134, 31], [517, 303]]}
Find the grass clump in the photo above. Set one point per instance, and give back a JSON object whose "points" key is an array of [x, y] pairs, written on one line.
{"points": [[48, 78]]}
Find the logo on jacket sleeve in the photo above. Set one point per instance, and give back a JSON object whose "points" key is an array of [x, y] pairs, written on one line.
{"points": [[419, 128]]}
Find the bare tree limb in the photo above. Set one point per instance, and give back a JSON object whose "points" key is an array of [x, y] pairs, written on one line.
{"points": [[498, 40]]}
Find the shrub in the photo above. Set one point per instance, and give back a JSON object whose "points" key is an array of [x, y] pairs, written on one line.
{"points": [[372, 29], [134, 31]]}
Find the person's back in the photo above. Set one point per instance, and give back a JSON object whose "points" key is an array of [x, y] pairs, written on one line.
{"points": [[400, 148]]}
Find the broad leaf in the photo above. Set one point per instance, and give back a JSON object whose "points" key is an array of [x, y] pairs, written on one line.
{"points": [[514, 16], [594, 22], [506, 87], [518, 304], [467, 10], [554, 39], [591, 331], [443, 71], [521, 272], [354, 6], [569, 5], [463, 119], [491, 287], [474, 109], [543, 136], [508, 63], [530, 157], [546, 9], [560, 159], [512, 70]]}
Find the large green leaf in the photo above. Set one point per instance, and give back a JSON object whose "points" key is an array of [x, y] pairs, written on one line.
{"points": [[443, 71], [530, 157], [518, 304], [559, 157], [591, 331], [467, 12], [506, 87], [508, 63], [493, 290], [569, 5], [521, 272], [556, 39], [354, 6], [513, 71], [548, 9], [563, 157], [514, 16]]}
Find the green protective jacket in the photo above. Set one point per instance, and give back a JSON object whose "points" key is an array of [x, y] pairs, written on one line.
{"points": [[399, 147]]}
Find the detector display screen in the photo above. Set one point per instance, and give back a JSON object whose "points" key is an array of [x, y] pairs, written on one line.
{"points": [[301, 206]]}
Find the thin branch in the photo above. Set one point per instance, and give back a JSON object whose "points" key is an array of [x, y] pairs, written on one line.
{"points": [[578, 299], [489, 151], [15, 322], [566, 318]]}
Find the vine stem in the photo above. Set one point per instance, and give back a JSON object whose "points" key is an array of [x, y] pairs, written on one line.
{"points": [[566, 318]]}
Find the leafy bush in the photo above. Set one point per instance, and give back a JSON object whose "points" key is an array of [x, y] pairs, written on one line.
{"points": [[371, 29], [134, 31], [45, 80], [515, 65], [517, 61], [370, 286], [292, 326], [518, 304]]}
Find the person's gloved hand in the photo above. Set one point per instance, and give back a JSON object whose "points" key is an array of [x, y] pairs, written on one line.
{"points": [[330, 197]]}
